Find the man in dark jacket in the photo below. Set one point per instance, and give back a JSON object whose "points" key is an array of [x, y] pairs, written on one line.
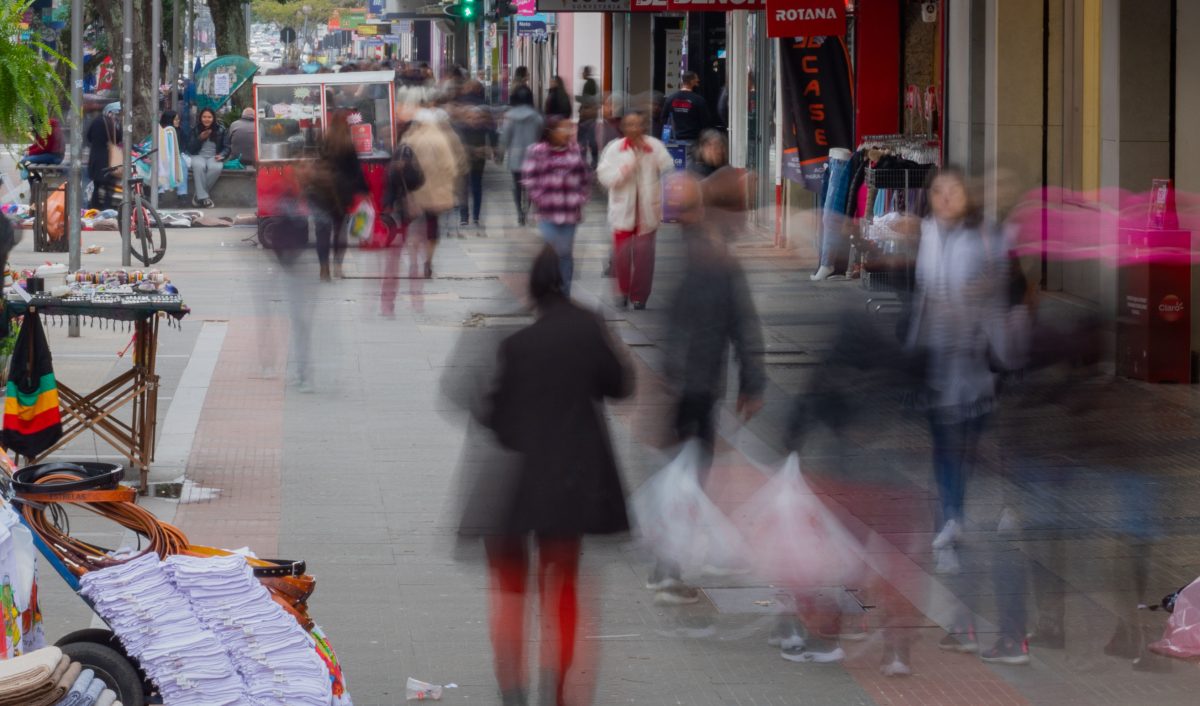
{"points": [[685, 111], [711, 311]]}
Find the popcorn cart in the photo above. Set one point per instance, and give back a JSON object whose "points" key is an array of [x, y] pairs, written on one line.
{"points": [[291, 114]]}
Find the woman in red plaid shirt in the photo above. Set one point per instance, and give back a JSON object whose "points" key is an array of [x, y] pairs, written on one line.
{"points": [[559, 184]]}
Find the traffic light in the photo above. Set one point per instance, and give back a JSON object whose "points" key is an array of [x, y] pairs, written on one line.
{"points": [[470, 9]]}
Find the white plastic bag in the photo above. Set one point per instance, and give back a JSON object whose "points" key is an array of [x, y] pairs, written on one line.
{"points": [[794, 539], [1181, 638], [678, 522]]}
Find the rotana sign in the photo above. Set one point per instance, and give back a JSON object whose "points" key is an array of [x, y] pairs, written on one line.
{"points": [[805, 15], [806, 18]]}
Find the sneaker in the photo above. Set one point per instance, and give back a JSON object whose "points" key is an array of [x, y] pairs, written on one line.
{"points": [[521, 221], [948, 536], [1007, 651], [895, 668], [607, 272], [827, 655], [677, 595], [639, 306], [661, 584], [946, 561], [786, 633], [960, 642]]}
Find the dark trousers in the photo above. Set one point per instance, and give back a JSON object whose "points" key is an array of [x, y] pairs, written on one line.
{"points": [[331, 234], [519, 195], [102, 193], [587, 142], [557, 572], [472, 183]]}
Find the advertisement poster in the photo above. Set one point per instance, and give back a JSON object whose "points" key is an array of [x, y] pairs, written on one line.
{"points": [[818, 105]]}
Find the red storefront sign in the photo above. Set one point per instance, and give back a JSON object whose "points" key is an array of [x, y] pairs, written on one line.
{"points": [[696, 5], [806, 18]]}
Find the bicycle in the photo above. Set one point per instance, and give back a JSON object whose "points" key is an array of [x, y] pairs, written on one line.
{"points": [[144, 220]]}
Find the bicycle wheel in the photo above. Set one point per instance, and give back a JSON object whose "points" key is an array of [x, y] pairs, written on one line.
{"points": [[151, 237]]}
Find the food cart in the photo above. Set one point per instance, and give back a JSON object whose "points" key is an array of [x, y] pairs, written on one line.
{"points": [[292, 112]]}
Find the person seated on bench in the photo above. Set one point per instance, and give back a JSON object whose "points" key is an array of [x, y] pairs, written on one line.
{"points": [[239, 141], [209, 151]]}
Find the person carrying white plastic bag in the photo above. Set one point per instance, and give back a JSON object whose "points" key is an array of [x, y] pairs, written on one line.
{"points": [[796, 542], [679, 524]]}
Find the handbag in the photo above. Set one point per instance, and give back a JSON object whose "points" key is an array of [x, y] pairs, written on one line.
{"points": [[116, 155]]}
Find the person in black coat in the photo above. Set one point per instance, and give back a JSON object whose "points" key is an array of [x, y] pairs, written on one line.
{"points": [[103, 129], [334, 183], [561, 479], [557, 101]]}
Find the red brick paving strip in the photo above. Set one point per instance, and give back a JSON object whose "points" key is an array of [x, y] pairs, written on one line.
{"points": [[238, 447]]}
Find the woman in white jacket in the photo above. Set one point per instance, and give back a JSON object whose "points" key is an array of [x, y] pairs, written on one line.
{"points": [[632, 169]]}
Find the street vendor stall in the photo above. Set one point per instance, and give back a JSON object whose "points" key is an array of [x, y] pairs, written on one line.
{"points": [[138, 301], [292, 112]]}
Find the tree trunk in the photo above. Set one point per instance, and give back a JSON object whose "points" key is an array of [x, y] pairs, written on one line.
{"points": [[144, 111], [229, 20]]}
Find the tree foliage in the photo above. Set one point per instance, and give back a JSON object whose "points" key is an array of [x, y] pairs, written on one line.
{"points": [[26, 78], [289, 12]]}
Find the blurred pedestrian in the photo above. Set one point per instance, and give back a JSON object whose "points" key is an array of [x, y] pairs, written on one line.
{"points": [[710, 312], [477, 129], [589, 111], [711, 154], [405, 176], [443, 162], [546, 407], [102, 134], [632, 169], [558, 101], [522, 127], [958, 300], [336, 180], [559, 184], [208, 153]]}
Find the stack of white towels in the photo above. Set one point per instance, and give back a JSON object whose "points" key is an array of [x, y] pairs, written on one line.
{"points": [[207, 632], [275, 657]]}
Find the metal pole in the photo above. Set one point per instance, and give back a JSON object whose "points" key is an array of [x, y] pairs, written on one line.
{"points": [[126, 125], [75, 168], [173, 60], [155, 84]]}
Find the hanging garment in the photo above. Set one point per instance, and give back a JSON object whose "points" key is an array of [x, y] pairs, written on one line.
{"points": [[20, 617], [32, 419]]}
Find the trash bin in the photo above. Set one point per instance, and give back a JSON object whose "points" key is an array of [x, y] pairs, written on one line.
{"points": [[1154, 305]]}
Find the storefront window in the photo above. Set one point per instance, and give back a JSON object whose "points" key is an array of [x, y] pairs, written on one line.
{"points": [[365, 107], [289, 123]]}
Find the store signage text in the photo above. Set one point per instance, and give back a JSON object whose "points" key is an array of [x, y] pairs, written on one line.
{"points": [[583, 5], [806, 18], [696, 5]]}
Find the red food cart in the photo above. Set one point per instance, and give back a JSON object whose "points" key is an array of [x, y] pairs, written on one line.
{"points": [[291, 112]]}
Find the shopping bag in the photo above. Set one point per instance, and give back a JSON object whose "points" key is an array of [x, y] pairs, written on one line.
{"points": [[364, 225], [1181, 638], [56, 213], [678, 523], [794, 539]]}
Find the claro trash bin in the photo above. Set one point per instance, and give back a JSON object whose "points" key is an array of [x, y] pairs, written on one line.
{"points": [[1154, 305]]}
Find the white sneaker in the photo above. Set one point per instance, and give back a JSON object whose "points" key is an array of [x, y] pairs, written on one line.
{"points": [[677, 595], [895, 668], [662, 584], [837, 654], [948, 536], [946, 561], [821, 274]]}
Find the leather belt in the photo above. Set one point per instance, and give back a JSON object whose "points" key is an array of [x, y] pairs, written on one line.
{"points": [[91, 475]]}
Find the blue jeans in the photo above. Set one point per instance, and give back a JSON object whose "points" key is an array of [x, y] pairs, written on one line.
{"points": [[954, 448], [833, 215], [38, 159], [561, 237]]}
